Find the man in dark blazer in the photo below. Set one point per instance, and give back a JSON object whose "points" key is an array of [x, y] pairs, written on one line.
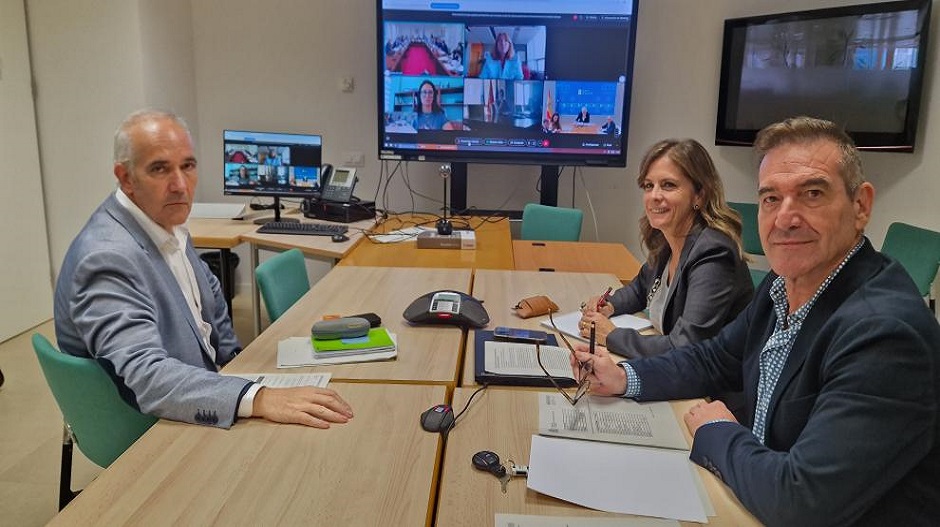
{"points": [[133, 294], [838, 357]]}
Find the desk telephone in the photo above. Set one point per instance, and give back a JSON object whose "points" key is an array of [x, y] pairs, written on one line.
{"points": [[338, 184]]}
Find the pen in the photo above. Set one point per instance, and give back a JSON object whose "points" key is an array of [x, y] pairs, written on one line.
{"points": [[593, 337], [602, 301]]}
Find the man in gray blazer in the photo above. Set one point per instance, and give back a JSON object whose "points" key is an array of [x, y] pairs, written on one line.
{"points": [[837, 355], [133, 294]]}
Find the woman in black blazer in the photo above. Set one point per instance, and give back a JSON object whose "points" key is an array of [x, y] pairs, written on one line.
{"points": [[695, 279]]}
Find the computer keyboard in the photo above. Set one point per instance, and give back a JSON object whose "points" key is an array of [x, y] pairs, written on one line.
{"points": [[312, 229]]}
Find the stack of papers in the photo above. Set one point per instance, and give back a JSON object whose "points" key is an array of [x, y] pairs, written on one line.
{"points": [[297, 352], [568, 323], [652, 451]]}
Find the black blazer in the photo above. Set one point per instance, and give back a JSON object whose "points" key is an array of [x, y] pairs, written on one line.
{"points": [[853, 429], [712, 285]]}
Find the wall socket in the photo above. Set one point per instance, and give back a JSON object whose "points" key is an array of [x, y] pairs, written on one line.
{"points": [[354, 159]]}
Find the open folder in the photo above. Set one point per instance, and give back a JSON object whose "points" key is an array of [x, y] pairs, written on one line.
{"points": [[515, 363]]}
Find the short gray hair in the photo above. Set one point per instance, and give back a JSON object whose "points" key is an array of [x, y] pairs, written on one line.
{"points": [[124, 147], [800, 130]]}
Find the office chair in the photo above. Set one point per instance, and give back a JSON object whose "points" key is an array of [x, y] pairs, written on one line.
{"points": [[918, 250], [543, 222], [96, 418], [282, 280], [750, 236]]}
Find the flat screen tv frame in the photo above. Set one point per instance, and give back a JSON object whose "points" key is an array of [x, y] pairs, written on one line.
{"points": [[469, 134], [898, 140]]}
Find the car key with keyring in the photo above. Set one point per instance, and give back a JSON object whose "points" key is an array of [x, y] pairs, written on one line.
{"points": [[489, 462]]}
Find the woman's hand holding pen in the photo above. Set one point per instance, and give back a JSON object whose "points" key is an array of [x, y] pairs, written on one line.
{"points": [[591, 306], [606, 376]]}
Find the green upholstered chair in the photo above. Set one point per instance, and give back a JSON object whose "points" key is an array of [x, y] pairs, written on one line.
{"points": [[750, 235], [96, 418], [544, 222], [282, 280], [917, 249]]}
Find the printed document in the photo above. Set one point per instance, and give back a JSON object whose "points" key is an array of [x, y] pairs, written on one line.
{"points": [[611, 419], [568, 323], [515, 358], [286, 380]]}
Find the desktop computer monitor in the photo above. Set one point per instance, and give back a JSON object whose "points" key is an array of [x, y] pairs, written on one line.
{"points": [[272, 164]]}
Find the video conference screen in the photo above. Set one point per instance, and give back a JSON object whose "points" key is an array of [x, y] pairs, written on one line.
{"points": [[271, 164], [521, 80]]}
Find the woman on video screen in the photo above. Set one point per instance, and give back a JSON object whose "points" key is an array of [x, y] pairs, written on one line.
{"points": [[502, 62], [428, 110]]}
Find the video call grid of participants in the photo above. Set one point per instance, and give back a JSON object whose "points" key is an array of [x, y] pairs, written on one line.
{"points": [[253, 166], [490, 79]]}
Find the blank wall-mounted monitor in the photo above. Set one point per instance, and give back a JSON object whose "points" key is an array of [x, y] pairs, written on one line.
{"points": [[860, 66], [529, 81]]}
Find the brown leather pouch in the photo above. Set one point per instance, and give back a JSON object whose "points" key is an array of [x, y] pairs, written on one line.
{"points": [[534, 306]]}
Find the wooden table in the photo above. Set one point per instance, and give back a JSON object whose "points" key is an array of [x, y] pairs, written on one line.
{"points": [[378, 469], [322, 247], [503, 420], [494, 246], [588, 257], [428, 354], [500, 290]]}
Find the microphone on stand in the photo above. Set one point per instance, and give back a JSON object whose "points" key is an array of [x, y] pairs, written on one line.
{"points": [[444, 226]]}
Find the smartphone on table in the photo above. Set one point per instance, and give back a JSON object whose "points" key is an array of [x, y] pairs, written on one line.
{"points": [[520, 335]]}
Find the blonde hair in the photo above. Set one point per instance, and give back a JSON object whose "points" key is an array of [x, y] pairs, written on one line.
{"points": [[695, 163]]}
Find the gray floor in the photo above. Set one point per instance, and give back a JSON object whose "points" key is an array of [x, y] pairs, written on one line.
{"points": [[31, 431]]}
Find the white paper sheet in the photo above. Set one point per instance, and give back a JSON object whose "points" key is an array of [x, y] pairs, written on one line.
{"points": [[568, 323], [616, 478], [223, 211], [286, 380], [297, 352], [528, 520], [397, 236]]}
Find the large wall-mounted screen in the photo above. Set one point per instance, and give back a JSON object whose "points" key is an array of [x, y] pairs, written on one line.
{"points": [[543, 82]]}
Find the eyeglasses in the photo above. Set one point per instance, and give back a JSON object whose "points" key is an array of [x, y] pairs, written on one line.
{"points": [[584, 368]]}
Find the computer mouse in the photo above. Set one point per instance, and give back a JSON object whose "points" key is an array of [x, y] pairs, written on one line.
{"points": [[339, 238], [438, 418]]}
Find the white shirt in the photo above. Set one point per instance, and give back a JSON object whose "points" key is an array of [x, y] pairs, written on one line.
{"points": [[172, 248]]}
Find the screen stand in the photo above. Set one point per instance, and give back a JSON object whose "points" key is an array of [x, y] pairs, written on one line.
{"points": [[277, 214], [549, 186], [458, 187]]}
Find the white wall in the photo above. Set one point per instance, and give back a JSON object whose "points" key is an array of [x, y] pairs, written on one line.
{"points": [[24, 282], [86, 59], [276, 65]]}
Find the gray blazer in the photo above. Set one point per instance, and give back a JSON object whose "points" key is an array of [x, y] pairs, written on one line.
{"points": [[712, 285], [116, 300]]}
